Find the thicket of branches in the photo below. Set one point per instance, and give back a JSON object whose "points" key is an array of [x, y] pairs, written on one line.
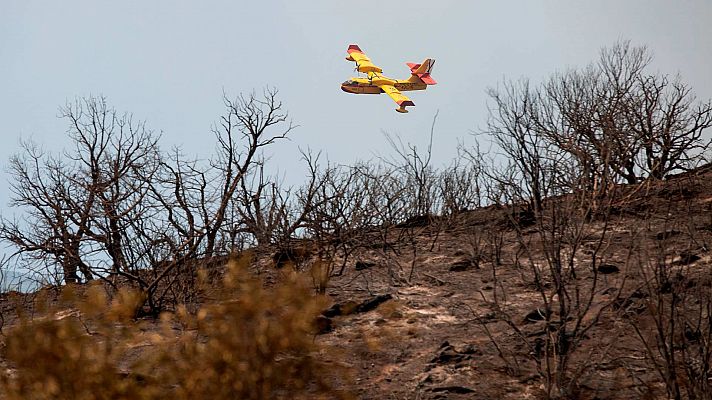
{"points": [[116, 205], [587, 129]]}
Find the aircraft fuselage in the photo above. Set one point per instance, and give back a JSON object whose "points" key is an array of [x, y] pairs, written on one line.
{"points": [[369, 86]]}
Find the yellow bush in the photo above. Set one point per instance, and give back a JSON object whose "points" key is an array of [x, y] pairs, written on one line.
{"points": [[250, 343], [59, 356]]}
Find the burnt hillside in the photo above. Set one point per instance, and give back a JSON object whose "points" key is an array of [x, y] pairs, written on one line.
{"points": [[480, 316], [470, 306]]}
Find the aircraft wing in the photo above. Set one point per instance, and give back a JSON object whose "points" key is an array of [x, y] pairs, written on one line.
{"points": [[363, 63], [398, 97]]}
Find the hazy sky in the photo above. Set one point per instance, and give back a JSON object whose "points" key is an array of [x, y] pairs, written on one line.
{"points": [[168, 62]]}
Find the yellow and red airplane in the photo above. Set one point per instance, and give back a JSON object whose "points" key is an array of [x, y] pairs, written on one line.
{"points": [[376, 83]]}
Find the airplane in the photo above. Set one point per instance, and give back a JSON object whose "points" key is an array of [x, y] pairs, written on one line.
{"points": [[376, 83]]}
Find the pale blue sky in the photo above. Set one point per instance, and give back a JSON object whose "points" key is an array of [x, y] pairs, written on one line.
{"points": [[169, 61]]}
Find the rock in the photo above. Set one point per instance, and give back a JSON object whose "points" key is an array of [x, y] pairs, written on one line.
{"points": [[352, 307], [536, 315], [452, 389], [447, 354], [666, 234], [340, 309], [631, 304], [361, 265], [692, 334], [522, 218], [488, 318], [291, 255], [369, 305], [448, 357], [607, 269], [332, 311], [686, 257], [428, 379], [470, 349], [527, 379], [323, 324], [462, 265], [417, 221]]}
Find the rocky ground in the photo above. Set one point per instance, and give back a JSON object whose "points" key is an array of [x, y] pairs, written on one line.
{"points": [[439, 336]]}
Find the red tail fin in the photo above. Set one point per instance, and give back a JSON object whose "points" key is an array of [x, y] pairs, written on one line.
{"points": [[423, 70]]}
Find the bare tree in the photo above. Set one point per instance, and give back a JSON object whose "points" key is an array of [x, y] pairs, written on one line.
{"points": [[663, 114], [201, 204], [532, 162], [50, 232], [249, 119], [460, 185], [115, 205], [117, 157], [418, 174], [77, 204], [612, 120], [273, 213], [339, 216]]}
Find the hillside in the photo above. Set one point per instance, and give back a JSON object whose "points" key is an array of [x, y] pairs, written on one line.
{"points": [[457, 308], [466, 328]]}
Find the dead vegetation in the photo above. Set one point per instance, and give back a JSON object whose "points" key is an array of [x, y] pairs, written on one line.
{"points": [[245, 342], [567, 262]]}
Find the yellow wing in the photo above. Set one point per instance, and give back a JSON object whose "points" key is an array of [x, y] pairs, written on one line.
{"points": [[363, 63], [398, 97]]}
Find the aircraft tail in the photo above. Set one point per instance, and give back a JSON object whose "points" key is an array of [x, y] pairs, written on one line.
{"points": [[421, 72]]}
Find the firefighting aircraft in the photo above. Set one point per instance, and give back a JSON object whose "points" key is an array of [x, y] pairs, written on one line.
{"points": [[376, 83]]}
